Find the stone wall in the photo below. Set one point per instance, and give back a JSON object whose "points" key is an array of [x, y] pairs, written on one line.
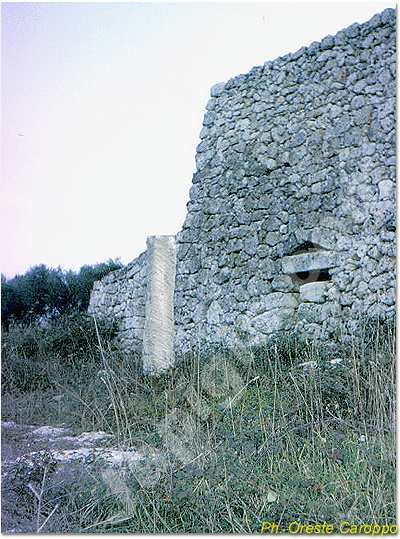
{"points": [[291, 218], [121, 296], [291, 221]]}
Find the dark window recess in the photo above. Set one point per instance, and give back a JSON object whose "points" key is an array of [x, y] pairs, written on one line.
{"points": [[306, 247], [303, 277]]}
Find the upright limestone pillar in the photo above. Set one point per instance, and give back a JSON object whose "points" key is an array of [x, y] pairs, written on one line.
{"points": [[158, 335]]}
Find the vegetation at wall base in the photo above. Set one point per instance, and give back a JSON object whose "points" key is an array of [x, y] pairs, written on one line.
{"points": [[287, 431]]}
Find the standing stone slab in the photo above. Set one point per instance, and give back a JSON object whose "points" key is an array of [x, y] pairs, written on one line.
{"points": [[158, 337]]}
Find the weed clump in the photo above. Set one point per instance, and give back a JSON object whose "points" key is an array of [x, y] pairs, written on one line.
{"points": [[33, 356]]}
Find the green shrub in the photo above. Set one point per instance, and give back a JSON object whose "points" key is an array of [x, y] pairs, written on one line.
{"points": [[48, 292], [32, 355]]}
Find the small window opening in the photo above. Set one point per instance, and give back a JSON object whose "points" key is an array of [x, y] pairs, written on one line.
{"points": [[303, 277], [306, 247]]}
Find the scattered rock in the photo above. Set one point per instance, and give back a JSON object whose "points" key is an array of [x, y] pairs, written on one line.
{"points": [[62, 460]]}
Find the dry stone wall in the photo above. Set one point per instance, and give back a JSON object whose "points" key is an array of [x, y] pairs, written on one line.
{"points": [[121, 296], [291, 218], [291, 221]]}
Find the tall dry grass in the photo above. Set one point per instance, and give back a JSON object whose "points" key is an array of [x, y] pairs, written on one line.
{"points": [[287, 431]]}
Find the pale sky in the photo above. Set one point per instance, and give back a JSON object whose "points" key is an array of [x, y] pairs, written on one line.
{"points": [[102, 106]]}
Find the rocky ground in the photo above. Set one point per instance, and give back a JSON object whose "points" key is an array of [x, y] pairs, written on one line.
{"points": [[36, 460]]}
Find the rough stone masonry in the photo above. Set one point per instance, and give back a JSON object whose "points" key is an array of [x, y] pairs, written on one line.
{"points": [[291, 217]]}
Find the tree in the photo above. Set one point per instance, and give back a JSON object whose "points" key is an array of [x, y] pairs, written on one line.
{"points": [[42, 291]]}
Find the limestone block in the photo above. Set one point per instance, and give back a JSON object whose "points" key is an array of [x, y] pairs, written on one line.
{"points": [[275, 300], [314, 292], [257, 286], [310, 261], [313, 331], [199, 314], [282, 283], [280, 299], [214, 313], [309, 312], [323, 237], [386, 190], [217, 89], [158, 336], [317, 313], [132, 322], [275, 320]]}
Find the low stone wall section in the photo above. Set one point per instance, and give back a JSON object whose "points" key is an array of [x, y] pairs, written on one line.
{"points": [[121, 296]]}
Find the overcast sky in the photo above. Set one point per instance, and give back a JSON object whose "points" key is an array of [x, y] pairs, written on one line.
{"points": [[102, 106]]}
